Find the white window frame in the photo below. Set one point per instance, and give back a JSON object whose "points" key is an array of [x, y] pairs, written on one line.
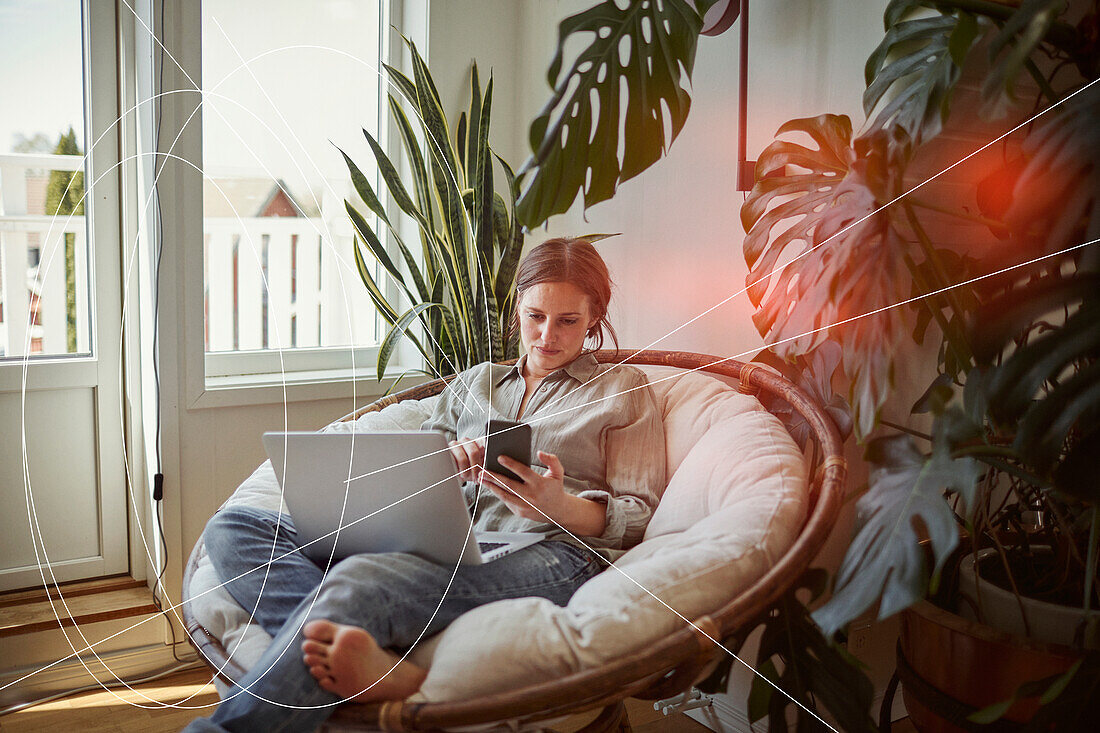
{"points": [[224, 379], [98, 370]]}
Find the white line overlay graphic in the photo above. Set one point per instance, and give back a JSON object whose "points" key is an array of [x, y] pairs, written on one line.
{"points": [[43, 560]]}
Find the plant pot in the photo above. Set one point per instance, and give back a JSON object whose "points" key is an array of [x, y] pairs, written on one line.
{"points": [[950, 667], [1001, 609]]}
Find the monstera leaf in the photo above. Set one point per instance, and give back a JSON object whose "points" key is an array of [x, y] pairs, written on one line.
{"points": [[814, 374], [646, 47], [885, 558], [817, 672], [1059, 189], [919, 61], [1048, 388], [1033, 23], [824, 261]]}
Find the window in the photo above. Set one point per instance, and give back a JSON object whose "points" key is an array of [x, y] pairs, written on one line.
{"points": [[60, 294], [282, 89], [42, 222]]}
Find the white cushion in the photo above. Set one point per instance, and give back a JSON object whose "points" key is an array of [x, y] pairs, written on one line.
{"points": [[739, 511], [734, 504]]}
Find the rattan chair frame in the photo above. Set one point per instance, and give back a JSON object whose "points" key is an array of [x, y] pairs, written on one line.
{"points": [[660, 670]]}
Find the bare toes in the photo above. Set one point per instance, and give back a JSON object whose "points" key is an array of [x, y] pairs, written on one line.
{"points": [[315, 647], [320, 630]]}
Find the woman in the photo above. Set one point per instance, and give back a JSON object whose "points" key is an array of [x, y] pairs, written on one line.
{"points": [[602, 450]]}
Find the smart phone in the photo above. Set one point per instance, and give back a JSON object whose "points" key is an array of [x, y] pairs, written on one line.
{"points": [[507, 438]]}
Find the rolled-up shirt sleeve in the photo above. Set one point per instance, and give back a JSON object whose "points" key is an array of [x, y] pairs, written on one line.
{"points": [[635, 469]]}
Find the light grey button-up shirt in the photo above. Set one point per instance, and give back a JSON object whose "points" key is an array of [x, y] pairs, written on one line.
{"points": [[600, 420]]}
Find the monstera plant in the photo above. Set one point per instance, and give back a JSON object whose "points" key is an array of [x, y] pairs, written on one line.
{"points": [[456, 304], [646, 46], [850, 259], [841, 249]]}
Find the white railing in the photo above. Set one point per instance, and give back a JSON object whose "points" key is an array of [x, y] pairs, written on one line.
{"points": [[33, 313], [283, 282], [270, 282]]}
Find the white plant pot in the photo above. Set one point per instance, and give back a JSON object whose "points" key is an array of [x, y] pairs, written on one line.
{"points": [[1049, 622]]}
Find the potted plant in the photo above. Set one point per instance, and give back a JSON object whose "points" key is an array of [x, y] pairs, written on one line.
{"points": [[843, 250], [461, 292]]}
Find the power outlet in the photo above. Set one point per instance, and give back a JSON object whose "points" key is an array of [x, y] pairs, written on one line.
{"points": [[859, 638]]}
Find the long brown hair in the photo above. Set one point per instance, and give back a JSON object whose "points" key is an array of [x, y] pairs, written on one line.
{"points": [[570, 260]]}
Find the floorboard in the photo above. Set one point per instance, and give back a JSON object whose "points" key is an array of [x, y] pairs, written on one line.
{"points": [[127, 711]]}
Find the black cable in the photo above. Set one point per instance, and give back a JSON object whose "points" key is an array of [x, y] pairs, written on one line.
{"points": [[158, 477]]}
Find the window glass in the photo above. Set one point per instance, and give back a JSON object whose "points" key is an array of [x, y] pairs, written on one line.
{"points": [[284, 84], [44, 283]]}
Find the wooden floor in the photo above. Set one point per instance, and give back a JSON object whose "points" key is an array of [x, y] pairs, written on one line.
{"points": [[119, 712]]}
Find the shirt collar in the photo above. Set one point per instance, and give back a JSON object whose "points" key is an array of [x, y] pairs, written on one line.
{"points": [[581, 369]]}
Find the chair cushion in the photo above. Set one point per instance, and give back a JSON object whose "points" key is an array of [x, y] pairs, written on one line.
{"points": [[735, 502]]}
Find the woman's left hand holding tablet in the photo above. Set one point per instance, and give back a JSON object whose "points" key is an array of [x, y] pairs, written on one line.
{"points": [[541, 497]]}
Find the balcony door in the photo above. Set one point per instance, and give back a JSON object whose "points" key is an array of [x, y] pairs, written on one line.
{"points": [[63, 506]]}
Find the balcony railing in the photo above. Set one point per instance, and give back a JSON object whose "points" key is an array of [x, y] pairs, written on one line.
{"points": [[34, 313], [271, 282], [283, 282]]}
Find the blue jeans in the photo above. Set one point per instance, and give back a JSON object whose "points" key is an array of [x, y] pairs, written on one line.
{"points": [[398, 598]]}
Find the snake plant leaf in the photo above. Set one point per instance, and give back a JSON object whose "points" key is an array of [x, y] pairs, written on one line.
{"points": [[509, 259], [464, 226], [411, 147], [492, 313], [460, 139], [482, 172], [373, 290], [919, 60], [413, 267], [404, 85], [400, 329], [648, 47], [469, 146], [825, 261], [366, 233], [393, 181], [502, 226], [885, 556], [364, 189], [431, 110]]}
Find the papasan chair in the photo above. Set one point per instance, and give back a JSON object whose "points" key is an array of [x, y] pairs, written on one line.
{"points": [[744, 513]]}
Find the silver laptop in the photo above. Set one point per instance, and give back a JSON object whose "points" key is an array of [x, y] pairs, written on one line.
{"points": [[350, 493]]}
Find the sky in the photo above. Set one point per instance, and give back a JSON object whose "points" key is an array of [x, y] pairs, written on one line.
{"points": [[40, 69], [282, 86]]}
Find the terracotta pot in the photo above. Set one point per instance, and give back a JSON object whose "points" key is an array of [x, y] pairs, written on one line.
{"points": [[950, 667]]}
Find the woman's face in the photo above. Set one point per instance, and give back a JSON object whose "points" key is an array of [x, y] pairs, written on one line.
{"points": [[553, 321]]}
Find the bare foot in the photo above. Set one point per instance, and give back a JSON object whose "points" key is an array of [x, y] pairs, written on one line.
{"points": [[347, 661]]}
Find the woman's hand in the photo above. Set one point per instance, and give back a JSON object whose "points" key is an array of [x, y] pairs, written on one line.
{"points": [[469, 455], [541, 497]]}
